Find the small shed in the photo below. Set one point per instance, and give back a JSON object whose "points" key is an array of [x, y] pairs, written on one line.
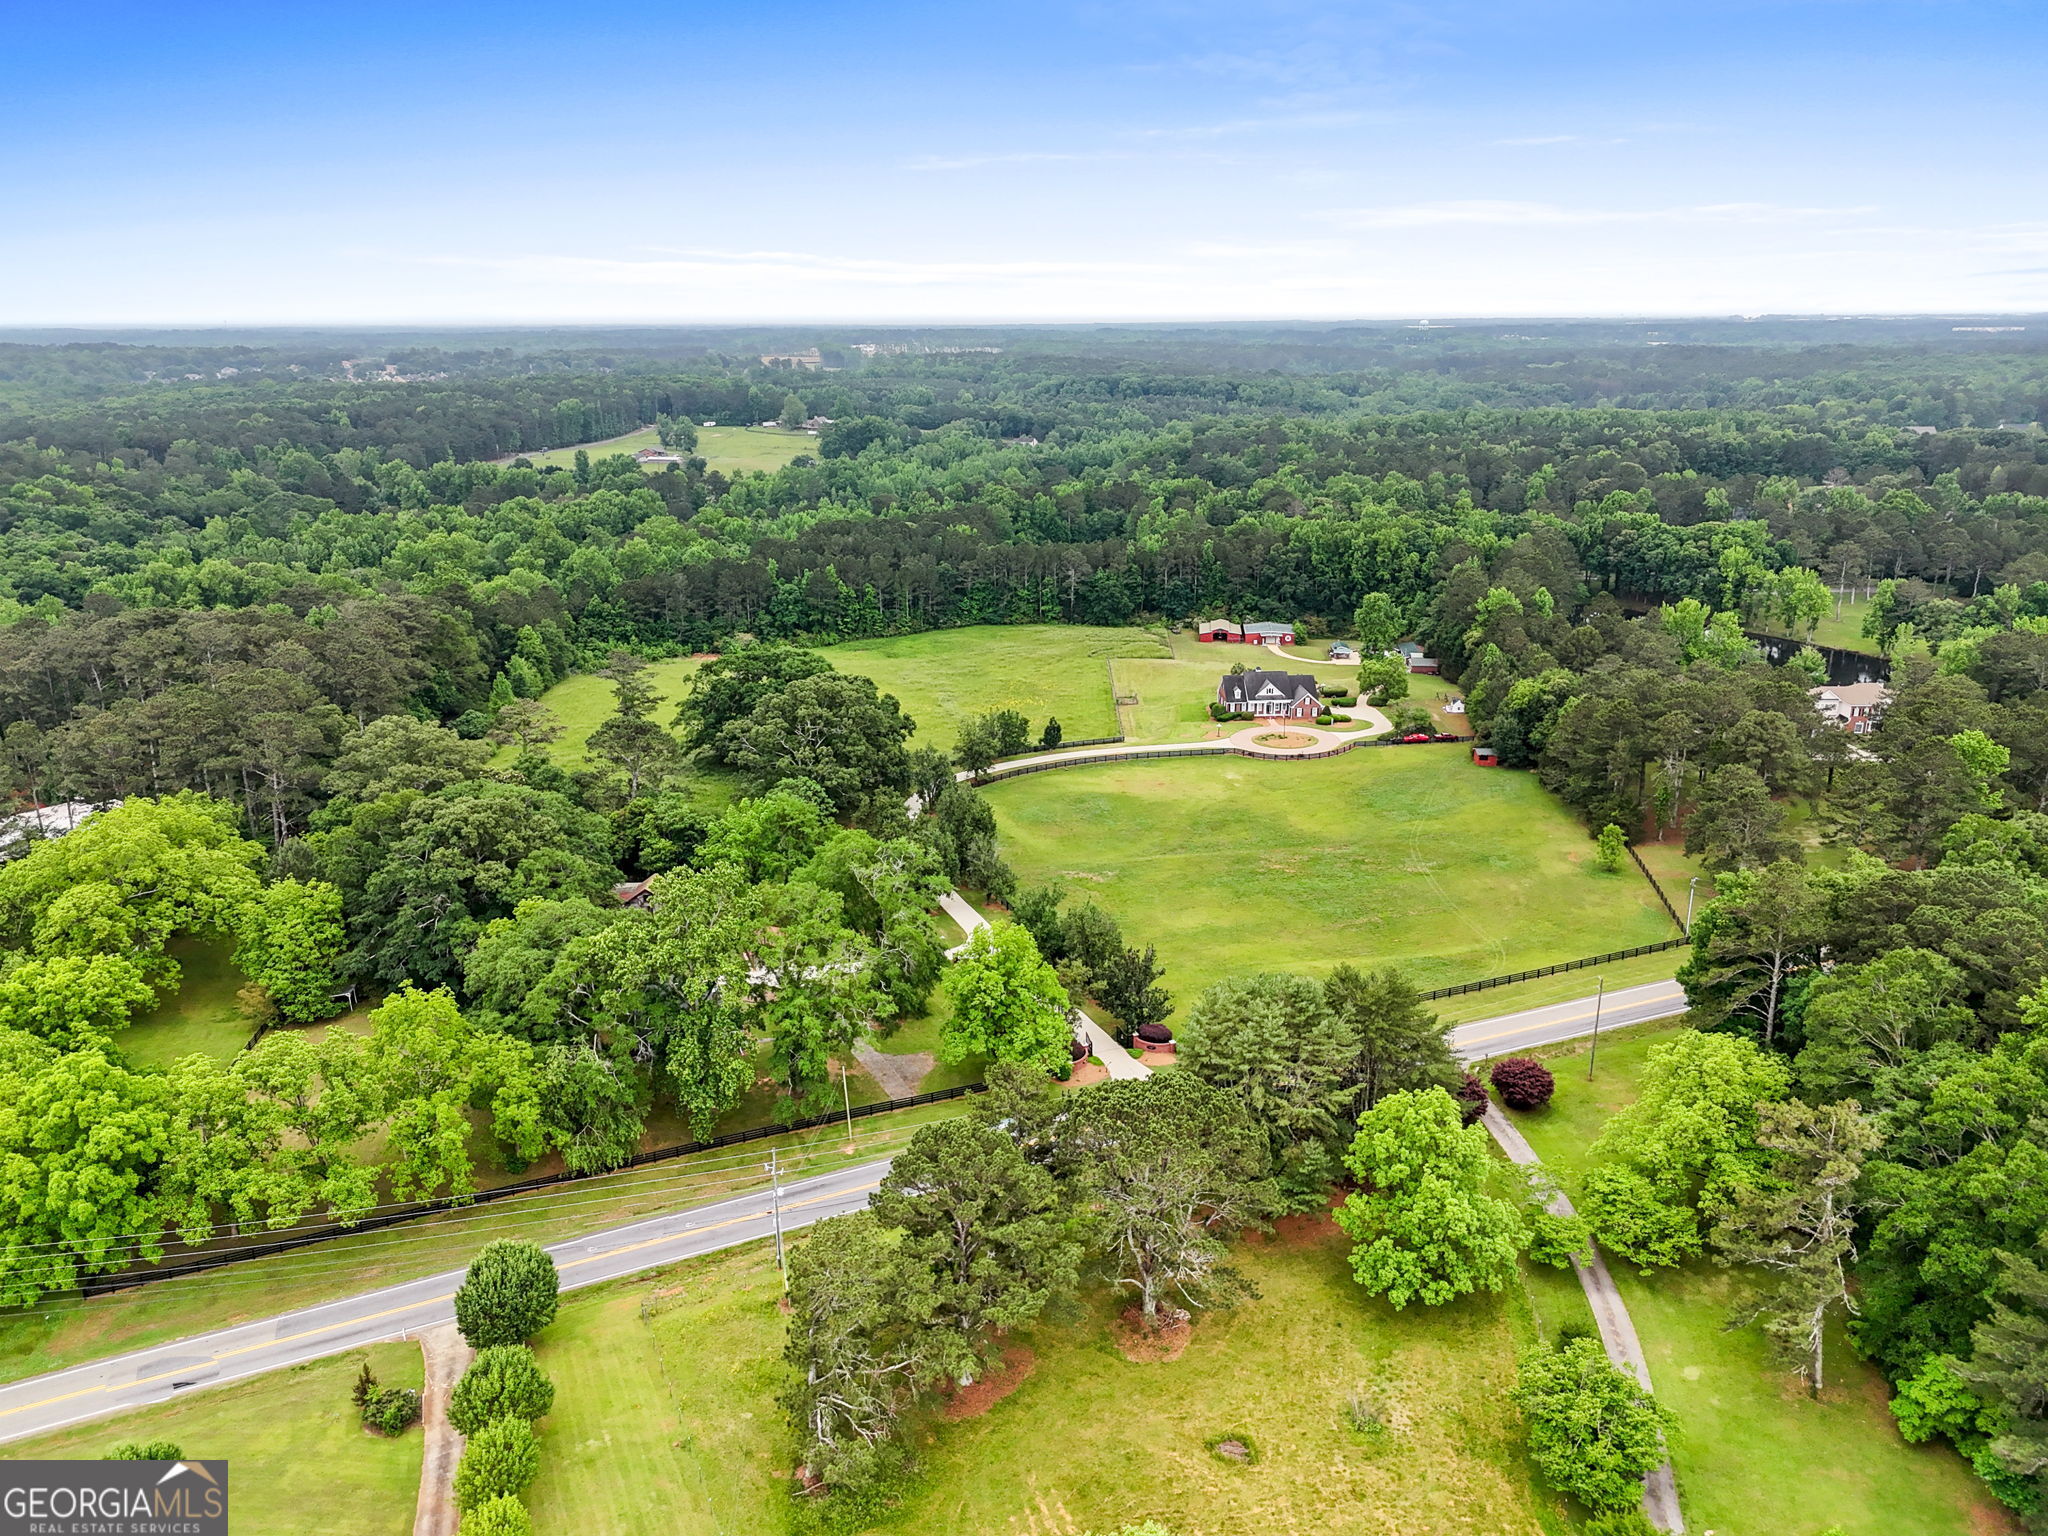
{"points": [[1486, 757]]}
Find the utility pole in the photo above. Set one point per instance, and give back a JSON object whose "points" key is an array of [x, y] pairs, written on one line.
{"points": [[775, 1207], [846, 1093], [1593, 1055], [1691, 891]]}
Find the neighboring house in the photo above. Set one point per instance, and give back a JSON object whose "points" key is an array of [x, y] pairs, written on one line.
{"points": [[632, 894], [1246, 634], [1411, 653], [1284, 695], [657, 456], [1342, 652], [1855, 707], [18, 834]]}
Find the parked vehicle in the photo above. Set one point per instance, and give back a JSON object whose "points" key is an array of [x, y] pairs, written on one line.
{"points": [[1416, 736]]}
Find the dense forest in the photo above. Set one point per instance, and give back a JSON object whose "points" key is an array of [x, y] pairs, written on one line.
{"points": [[297, 611]]}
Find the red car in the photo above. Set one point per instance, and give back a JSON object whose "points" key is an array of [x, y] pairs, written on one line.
{"points": [[1416, 736]]}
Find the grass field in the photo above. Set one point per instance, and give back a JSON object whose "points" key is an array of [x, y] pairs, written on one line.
{"points": [[293, 1441], [1406, 856], [1844, 631], [942, 679], [202, 1017], [1090, 1440], [1754, 1456], [729, 450], [947, 677]]}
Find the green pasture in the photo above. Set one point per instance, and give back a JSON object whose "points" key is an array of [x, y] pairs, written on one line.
{"points": [[942, 679], [1755, 1456], [1089, 1440], [946, 677], [293, 1440], [729, 450], [1406, 856]]}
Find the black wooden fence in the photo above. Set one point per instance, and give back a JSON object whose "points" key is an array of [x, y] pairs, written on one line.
{"points": [[1553, 970]]}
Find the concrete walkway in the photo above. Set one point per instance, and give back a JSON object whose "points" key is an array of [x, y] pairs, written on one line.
{"points": [[1617, 1331], [1118, 1061], [447, 1356]]}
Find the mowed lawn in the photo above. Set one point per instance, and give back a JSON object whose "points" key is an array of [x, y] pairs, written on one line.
{"points": [[1754, 1455], [203, 1017], [1406, 856], [946, 677], [298, 1456], [1090, 1440]]}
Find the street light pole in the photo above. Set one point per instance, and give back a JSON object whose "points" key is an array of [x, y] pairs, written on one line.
{"points": [[1691, 891], [1593, 1055]]}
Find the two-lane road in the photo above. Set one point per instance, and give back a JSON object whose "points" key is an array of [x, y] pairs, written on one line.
{"points": [[42, 1403]]}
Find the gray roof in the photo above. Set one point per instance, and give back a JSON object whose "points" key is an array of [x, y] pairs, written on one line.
{"points": [[1243, 688]]}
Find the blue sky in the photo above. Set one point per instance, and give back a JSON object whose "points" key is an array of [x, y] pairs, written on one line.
{"points": [[370, 162]]}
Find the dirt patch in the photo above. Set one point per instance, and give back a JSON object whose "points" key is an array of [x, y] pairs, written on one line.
{"points": [[1156, 1056], [1086, 1072], [1283, 741], [973, 1401], [1151, 1346], [1305, 1229], [896, 1076]]}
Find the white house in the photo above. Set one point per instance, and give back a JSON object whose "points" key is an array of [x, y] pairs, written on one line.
{"points": [[1855, 707]]}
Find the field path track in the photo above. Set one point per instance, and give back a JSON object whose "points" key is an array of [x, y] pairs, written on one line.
{"points": [[1617, 1331], [447, 1357]]}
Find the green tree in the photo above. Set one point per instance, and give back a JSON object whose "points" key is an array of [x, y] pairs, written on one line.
{"points": [[290, 942], [1736, 824], [1613, 844], [769, 836], [427, 1065], [725, 691], [1050, 738], [853, 1355], [396, 752], [72, 1001], [1862, 1019], [1400, 1045], [793, 415], [1271, 1043], [1424, 1226], [989, 1240], [977, 746], [509, 1293], [1594, 1431], [501, 1515], [1751, 942], [838, 731], [498, 1462], [2009, 1367], [83, 1145], [1799, 1226], [1677, 1156], [1377, 623], [630, 739], [818, 988], [147, 1450], [1175, 1168], [1007, 1003], [1382, 680], [502, 1382]]}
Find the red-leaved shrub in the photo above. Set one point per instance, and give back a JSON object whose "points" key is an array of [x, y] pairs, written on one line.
{"points": [[1471, 1097], [1522, 1082]]}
